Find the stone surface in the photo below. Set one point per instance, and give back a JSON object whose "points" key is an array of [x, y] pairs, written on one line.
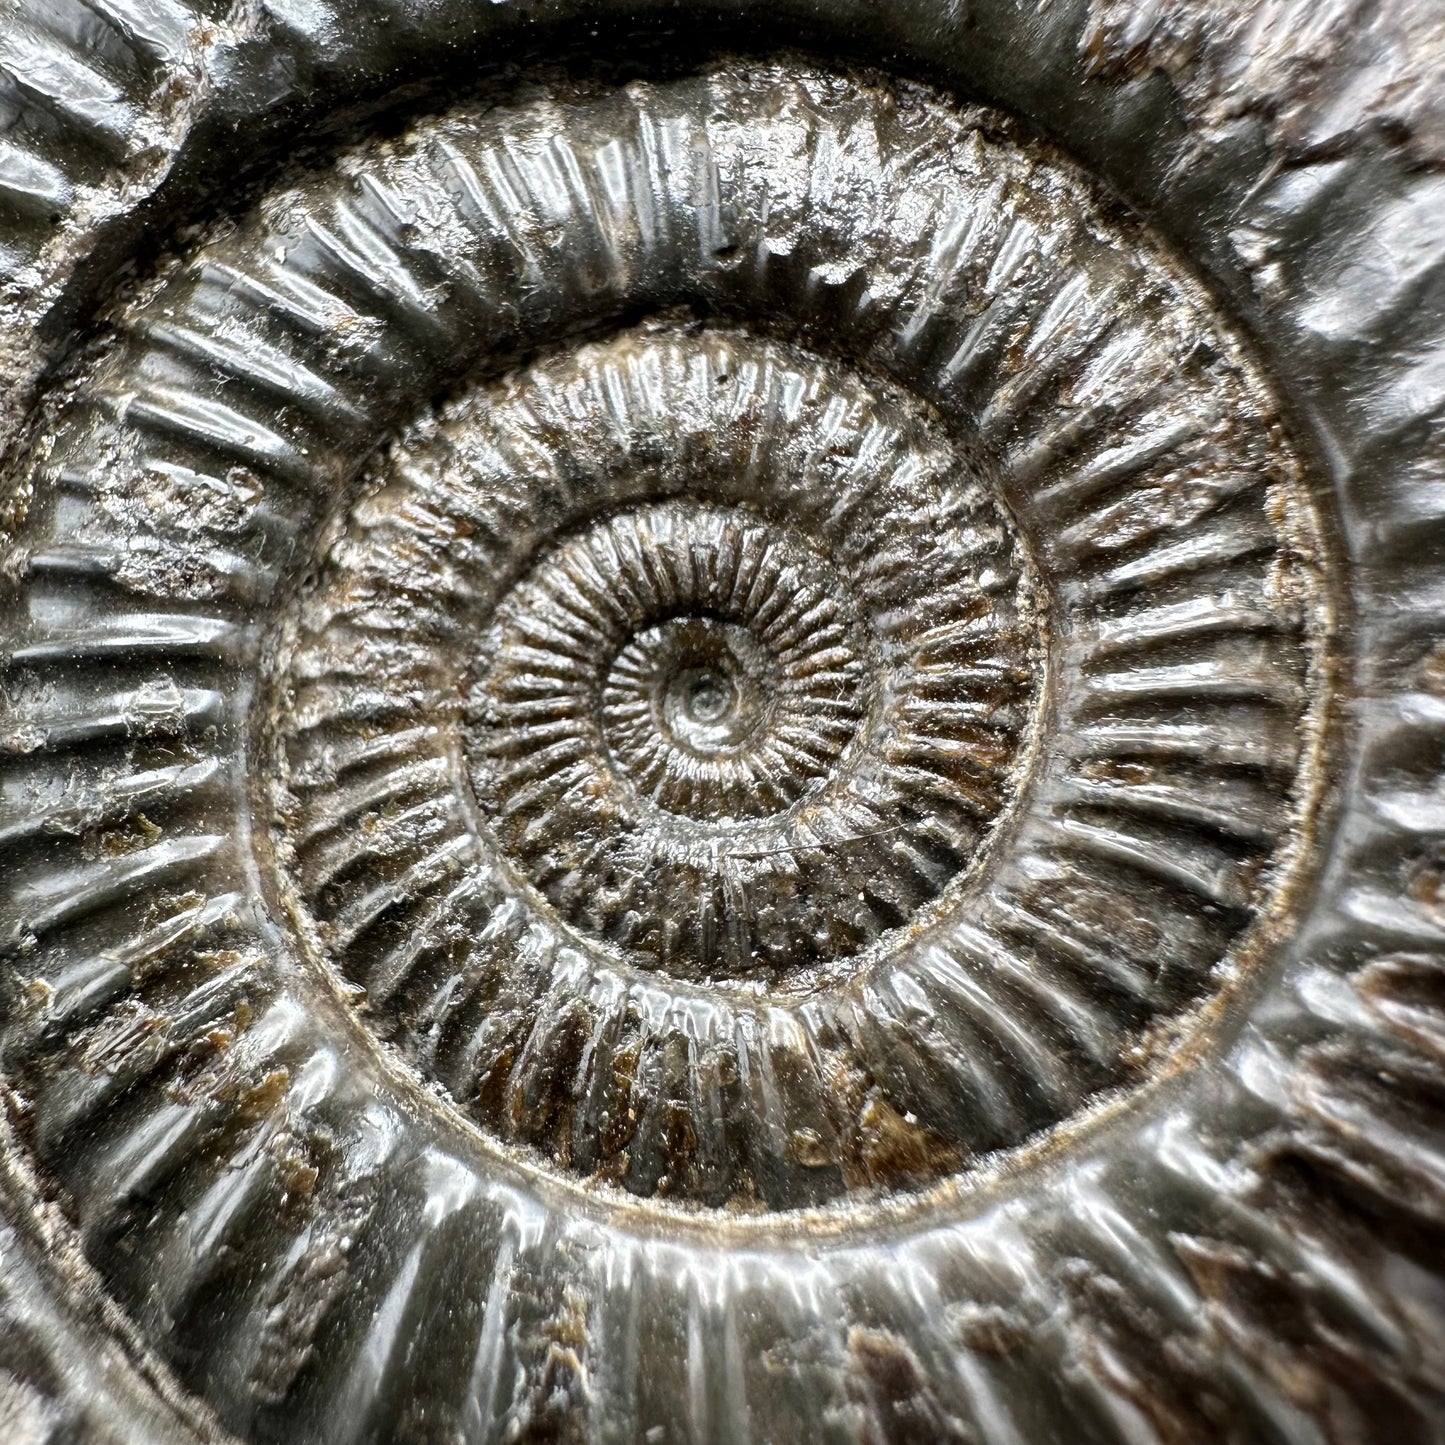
{"points": [[713, 748]]}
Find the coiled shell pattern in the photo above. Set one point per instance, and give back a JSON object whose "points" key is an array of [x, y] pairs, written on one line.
{"points": [[707, 749]]}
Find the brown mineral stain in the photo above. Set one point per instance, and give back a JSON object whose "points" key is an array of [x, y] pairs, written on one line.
{"points": [[895, 1149], [263, 1099]]}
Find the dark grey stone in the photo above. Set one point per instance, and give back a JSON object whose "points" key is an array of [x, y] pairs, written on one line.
{"points": [[722, 726]]}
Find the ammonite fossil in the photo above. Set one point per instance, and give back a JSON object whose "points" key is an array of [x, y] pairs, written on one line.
{"points": [[722, 731]]}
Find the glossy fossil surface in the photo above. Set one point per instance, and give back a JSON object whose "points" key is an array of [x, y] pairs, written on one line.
{"points": [[682, 763]]}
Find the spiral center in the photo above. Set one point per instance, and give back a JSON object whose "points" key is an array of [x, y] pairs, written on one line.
{"points": [[712, 692], [705, 699]]}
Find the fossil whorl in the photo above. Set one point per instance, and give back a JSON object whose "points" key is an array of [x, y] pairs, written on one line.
{"points": [[664, 739], [661, 699]]}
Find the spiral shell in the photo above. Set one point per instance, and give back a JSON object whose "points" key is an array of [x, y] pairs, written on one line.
{"points": [[670, 745]]}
